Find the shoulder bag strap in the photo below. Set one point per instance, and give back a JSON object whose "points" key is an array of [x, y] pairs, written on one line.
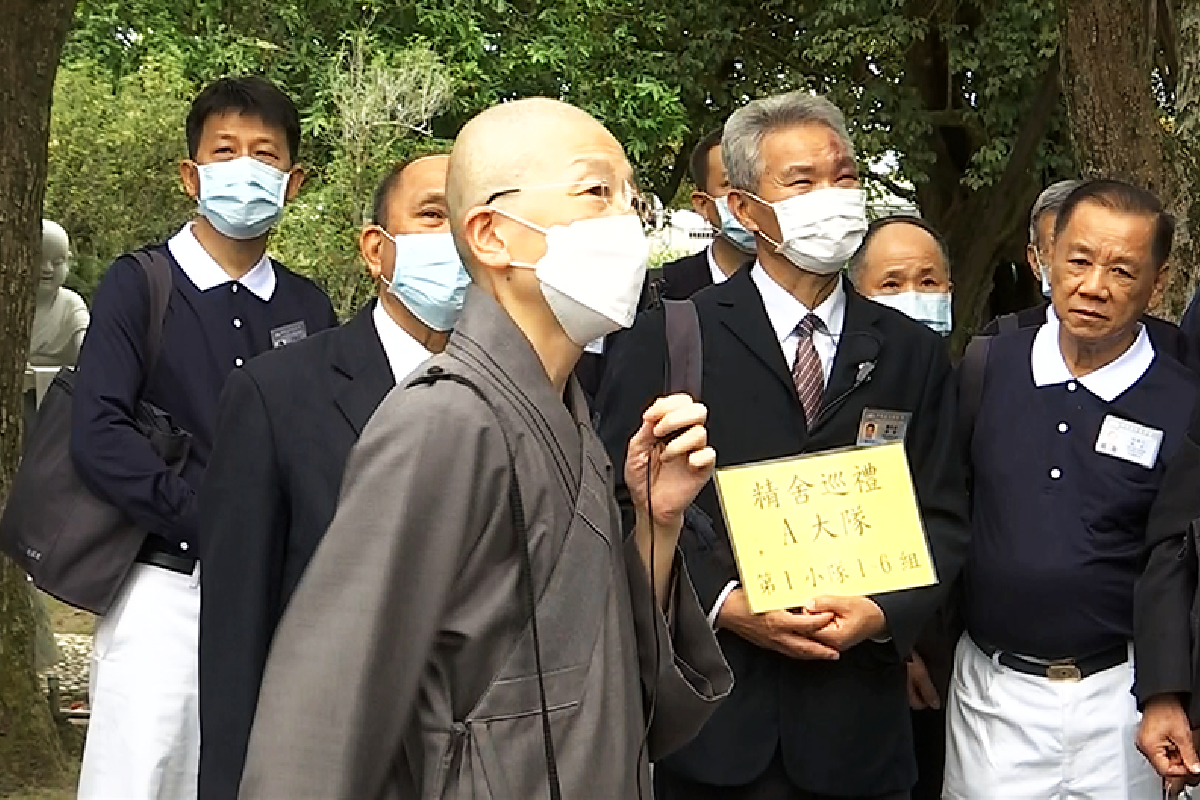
{"points": [[432, 376]]}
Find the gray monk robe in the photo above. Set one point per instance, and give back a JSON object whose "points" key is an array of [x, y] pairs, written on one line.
{"points": [[404, 665]]}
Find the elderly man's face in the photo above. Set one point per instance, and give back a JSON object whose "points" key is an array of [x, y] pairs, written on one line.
{"points": [[1103, 276], [903, 258], [797, 160], [416, 203], [584, 175]]}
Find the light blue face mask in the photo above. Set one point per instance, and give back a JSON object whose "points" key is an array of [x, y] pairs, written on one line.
{"points": [[733, 230], [242, 198], [933, 309], [429, 277], [1044, 269]]}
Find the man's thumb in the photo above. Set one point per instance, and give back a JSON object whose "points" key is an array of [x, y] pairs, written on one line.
{"points": [[819, 605]]}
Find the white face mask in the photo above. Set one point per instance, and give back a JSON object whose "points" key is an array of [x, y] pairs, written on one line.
{"points": [[820, 229], [592, 273], [930, 308]]}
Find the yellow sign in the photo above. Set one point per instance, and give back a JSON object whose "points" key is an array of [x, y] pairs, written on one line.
{"points": [[843, 522]]}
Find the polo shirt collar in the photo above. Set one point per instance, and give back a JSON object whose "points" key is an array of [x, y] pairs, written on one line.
{"points": [[205, 273], [1108, 383]]}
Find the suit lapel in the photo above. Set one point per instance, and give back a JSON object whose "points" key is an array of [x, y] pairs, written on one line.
{"points": [[743, 313], [362, 374]]}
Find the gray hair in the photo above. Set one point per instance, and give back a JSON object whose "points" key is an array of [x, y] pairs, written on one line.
{"points": [[741, 144], [1050, 201]]}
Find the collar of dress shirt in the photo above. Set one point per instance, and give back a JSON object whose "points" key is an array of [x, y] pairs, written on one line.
{"points": [[718, 276], [785, 312], [404, 353], [206, 273], [1108, 383]]}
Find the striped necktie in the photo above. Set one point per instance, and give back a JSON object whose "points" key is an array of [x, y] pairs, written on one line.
{"points": [[806, 371]]}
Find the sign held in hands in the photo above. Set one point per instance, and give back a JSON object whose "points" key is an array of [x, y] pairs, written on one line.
{"points": [[844, 522]]}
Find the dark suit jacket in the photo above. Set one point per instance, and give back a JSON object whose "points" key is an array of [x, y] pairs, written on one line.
{"points": [[680, 280], [843, 726], [286, 424]]}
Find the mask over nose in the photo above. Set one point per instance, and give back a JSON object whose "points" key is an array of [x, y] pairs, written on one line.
{"points": [[820, 229], [429, 278], [242, 198], [933, 309], [592, 273]]}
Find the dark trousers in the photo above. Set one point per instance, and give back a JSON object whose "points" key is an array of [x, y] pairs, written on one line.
{"points": [[773, 784], [929, 741]]}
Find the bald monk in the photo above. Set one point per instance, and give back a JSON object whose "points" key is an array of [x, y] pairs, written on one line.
{"points": [[60, 316], [408, 664]]}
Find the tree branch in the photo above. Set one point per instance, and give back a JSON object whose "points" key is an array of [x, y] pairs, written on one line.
{"points": [[893, 187]]}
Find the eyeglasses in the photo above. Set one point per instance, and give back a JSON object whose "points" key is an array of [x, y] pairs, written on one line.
{"points": [[624, 200]]}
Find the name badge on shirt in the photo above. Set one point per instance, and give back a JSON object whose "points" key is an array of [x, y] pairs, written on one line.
{"points": [[1129, 441], [882, 427], [288, 334]]}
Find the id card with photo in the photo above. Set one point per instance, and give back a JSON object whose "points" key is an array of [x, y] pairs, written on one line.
{"points": [[882, 427]]}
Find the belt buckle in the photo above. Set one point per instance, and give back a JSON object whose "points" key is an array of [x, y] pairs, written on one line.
{"points": [[1064, 671]]}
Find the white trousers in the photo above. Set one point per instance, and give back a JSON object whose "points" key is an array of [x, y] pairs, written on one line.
{"points": [[143, 740], [1011, 735]]}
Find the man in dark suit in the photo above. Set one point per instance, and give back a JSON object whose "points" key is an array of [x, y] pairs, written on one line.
{"points": [[792, 358], [732, 247], [286, 425]]}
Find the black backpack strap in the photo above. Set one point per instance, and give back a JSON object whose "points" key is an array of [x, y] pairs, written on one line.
{"points": [[158, 279], [684, 348], [971, 374], [430, 377]]}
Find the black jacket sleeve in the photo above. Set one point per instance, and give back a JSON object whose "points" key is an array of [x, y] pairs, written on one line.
{"points": [[1163, 597], [112, 457], [244, 528]]}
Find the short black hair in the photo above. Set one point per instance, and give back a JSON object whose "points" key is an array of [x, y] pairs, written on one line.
{"points": [[698, 164], [860, 255], [1128, 199], [249, 95], [391, 177]]}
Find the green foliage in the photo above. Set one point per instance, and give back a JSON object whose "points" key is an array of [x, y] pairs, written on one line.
{"points": [[114, 151]]}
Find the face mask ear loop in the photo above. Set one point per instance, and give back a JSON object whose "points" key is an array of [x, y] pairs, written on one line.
{"points": [[760, 232]]}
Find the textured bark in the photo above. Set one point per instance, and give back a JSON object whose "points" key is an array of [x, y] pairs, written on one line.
{"points": [[1116, 126], [30, 42], [983, 226], [1183, 150]]}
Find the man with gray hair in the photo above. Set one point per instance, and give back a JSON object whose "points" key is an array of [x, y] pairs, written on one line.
{"points": [[1041, 229], [795, 361]]}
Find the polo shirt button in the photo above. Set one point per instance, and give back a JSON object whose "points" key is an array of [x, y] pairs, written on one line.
{"points": [[1055, 473], [1063, 427], [237, 362], [237, 323], [1071, 386], [235, 287], [183, 546]]}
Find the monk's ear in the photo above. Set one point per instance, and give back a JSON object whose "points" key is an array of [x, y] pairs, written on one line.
{"points": [[486, 239]]}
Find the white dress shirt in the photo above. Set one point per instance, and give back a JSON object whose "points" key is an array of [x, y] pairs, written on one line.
{"points": [[1108, 383], [203, 271], [404, 353], [785, 313], [714, 269]]}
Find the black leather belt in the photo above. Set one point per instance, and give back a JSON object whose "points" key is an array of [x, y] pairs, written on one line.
{"points": [[1059, 669], [149, 554]]}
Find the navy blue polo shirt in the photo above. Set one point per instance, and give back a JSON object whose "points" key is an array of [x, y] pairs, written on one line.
{"points": [[1057, 527], [213, 325]]}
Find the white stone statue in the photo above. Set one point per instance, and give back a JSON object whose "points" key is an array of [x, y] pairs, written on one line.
{"points": [[61, 317]]}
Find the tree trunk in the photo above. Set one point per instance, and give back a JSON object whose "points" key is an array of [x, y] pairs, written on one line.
{"points": [[1115, 122], [30, 42], [1184, 152]]}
